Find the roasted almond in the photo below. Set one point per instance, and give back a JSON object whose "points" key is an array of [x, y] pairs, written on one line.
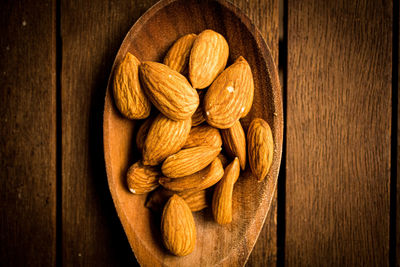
{"points": [[129, 97], [196, 200], [200, 180], [177, 57], [188, 161], [222, 197], [169, 90], [226, 99], [208, 58], [177, 227], [203, 135], [142, 179], [235, 142], [165, 137], [142, 133]]}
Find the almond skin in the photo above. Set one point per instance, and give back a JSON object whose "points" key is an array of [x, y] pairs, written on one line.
{"points": [[200, 180], [198, 116], [188, 161], [227, 97], [260, 145], [235, 142], [142, 179], [142, 133], [196, 200], [165, 137], [177, 57], [222, 197], [168, 90], [203, 135], [177, 227], [129, 97], [208, 58]]}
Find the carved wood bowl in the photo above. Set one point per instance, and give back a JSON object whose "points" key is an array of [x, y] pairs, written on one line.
{"points": [[149, 39]]}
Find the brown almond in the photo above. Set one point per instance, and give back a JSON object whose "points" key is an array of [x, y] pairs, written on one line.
{"points": [[200, 180], [142, 179], [165, 137], [168, 90], [177, 227], [203, 135], [235, 142], [198, 116], [208, 58], [177, 57], [260, 145], [222, 197], [227, 97], [129, 97], [188, 161], [142, 133], [196, 200]]}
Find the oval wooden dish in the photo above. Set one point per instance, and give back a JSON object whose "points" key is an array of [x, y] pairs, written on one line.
{"points": [[149, 39]]}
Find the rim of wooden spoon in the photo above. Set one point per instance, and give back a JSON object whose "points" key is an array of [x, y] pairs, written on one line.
{"points": [[277, 126]]}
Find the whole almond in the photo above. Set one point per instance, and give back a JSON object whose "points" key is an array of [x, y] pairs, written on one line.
{"points": [[165, 137], [177, 227], [200, 180], [235, 142], [129, 97], [142, 133], [222, 197], [227, 97], [203, 135], [260, 145], [198, 116], [142, 179], [188, 161], [177, 57], [196, 200], [169, 90], [208, 58]]}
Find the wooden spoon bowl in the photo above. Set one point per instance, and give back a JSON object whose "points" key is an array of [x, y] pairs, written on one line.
{"points": [[149, 39]]}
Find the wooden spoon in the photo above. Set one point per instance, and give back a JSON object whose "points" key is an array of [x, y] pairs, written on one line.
{"points": [[149, 39]]}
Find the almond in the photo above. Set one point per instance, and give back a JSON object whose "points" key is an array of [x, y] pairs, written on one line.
{"points": [[129, 97], [142, 179], [177, 57], [198, 116], [222, 197], [203, 135], [235, 142], [226, 99], [142, 133], [177, 227], [196, 200], [208, 58], [200, 180], [165, 137], [189, 160], [249, 99], [168, 90], [260, 145]]}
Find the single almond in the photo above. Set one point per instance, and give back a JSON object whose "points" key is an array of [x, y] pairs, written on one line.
{"points": [[226, 99], [168, 90], [260, 145], [142, 133], [188, 161], [129, 97], [208, 58], [203, 135], [200, 180], [177, 227], [165, 137], [198, 116], [142, 179], [235, 142], [222, 197], [177, 57], [196, 200]]}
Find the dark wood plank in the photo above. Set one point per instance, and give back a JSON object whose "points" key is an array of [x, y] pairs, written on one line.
{"points": [[338, 133], [396, 28], [91, 35], [27, 133], [265, 15]]}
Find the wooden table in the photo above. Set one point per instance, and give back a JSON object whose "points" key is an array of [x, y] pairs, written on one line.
{"points": [[337, 202]]}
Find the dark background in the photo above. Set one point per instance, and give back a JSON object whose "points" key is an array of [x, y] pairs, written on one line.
{"points": [[337, 202]]}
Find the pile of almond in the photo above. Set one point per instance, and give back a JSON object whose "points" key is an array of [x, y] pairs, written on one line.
{"points": [[200, 103]]}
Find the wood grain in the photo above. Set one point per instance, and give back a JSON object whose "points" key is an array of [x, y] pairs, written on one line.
{"points": [[91, 35], [338, 133], [27, 133]]}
